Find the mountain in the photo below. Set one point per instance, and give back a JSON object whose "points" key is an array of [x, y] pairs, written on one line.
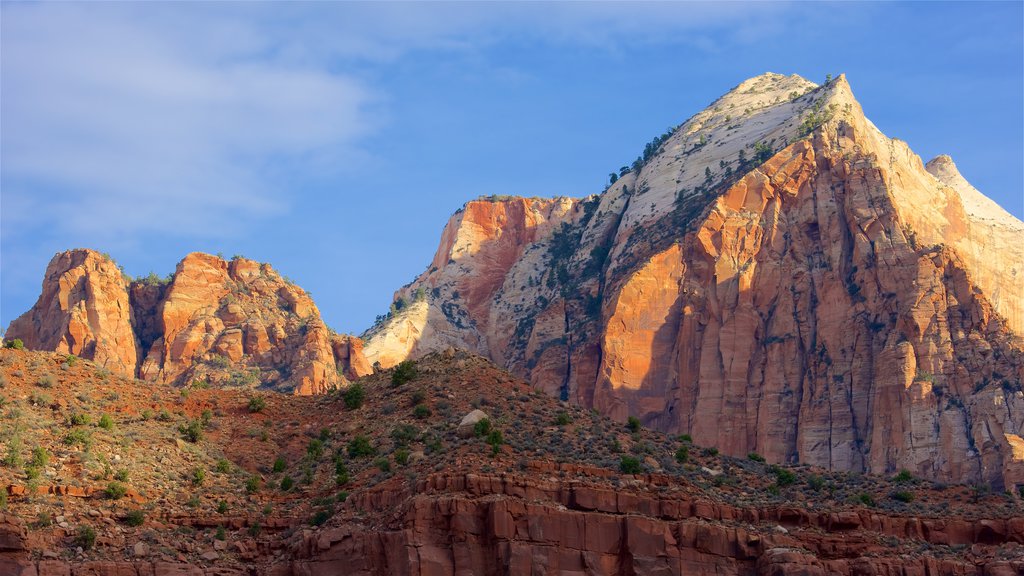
{"points": [[774, 275], [213, 322], [103, 475]]}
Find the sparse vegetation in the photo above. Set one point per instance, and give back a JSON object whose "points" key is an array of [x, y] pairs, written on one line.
{"points": [[629, 465], [353, 396], [257, 403], [404, 372]]}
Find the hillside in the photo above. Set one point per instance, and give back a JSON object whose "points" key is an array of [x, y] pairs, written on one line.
{"points": [[108, 475], [773, 275]]}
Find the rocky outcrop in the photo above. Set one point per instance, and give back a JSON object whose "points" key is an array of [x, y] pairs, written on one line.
{"points": [[228, 323], [774, 275], [84, 310]]}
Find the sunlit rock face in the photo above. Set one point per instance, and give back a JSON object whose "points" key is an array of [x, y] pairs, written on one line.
{"points": [[217, 322], [777, 276]]}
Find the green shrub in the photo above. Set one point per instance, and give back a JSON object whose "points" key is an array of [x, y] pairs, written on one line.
{"points": [[15, 344], [783, 476], [354, 396], [383, 464], [683, 454], [404, 434], [257, 403], [46, 381], [106, 422], [135, 518], [320, 517], [629, 465], [418, 397], [13, 456], [563, 419], [223, 466], [402, 456], [164, 415], [404, 372], [482, 427], [205, 418], [360, 446], [286, 483], [222, 507], [192, 431], [255, 529], [86, 537], [315, 449], [342, 496], [3, 499], [633, 424], [252, 484], [903, 496], [147, 414], [755, 457], [815, 482], [903, 477], [116, 491], [198, 476], [121, 475], [866, 499], [421, 412], [40, 457], [495, 439], [221, 533], [79, 437], [279, 464], [710, 452]]}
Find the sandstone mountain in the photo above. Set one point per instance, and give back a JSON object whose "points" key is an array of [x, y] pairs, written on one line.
{"points": [[213, 322], [103, 475], [773, 275]]}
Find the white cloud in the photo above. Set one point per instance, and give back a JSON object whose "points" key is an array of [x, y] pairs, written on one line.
{"points": [[121, 124]]}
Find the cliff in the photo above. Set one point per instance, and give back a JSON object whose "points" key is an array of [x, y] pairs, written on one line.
{"points": [[776, 275], [227, 323]]}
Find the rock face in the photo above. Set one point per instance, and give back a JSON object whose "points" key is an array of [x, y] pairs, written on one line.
{"points": [[775, 275], [230, 323]]}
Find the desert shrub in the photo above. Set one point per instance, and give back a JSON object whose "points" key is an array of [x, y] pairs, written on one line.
{"points": [[40, 457], [15, 344], [633, 424], [147, 414], [106, 422], [360, 446], [315, 449], [354, 396], [495, 439], [320, 517], [866, 499], [404, 372], [257, 403], [3, 499], [629, 465], [755, 457], [404, 434], [252, 484], [563, 419], [78, 419], [192, 431], [46, 381], [222, 507], [135, 518], [418, 397], [783, 476], [482, 427], [287, 483], [815, 482], [383, 464], [683, 454], [255, 529], [903, 496], [121, 475], [86, 537], [710, 452], [279, 464], [198, 476], [116, 491], [421, 412], [79, 437], [223, 466], [903, 477], [402, 456], [164, 415]]}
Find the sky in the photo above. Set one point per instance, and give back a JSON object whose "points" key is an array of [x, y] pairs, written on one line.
{"points": [[334, 140]]}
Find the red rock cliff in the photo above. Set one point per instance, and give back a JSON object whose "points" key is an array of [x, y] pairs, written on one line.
{"points": [[779, 277], [231, 323]]}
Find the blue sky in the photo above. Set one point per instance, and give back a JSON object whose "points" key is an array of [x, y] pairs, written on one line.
{"points": [[334, 140]]}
